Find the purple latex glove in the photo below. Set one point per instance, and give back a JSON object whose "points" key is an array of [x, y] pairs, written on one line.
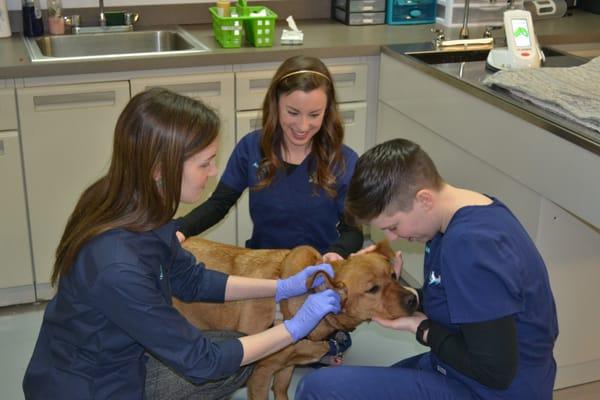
{"points": [[295, 285], [312, 311]]}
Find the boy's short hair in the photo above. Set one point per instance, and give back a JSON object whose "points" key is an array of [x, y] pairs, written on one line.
{"points": [[387, 178]]}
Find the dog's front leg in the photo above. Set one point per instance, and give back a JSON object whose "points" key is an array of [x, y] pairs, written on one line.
{"points": [[281, 383], [262, 374]]}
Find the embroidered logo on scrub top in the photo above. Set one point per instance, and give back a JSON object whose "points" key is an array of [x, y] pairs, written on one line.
{"points": [[162, 275], [427, 249], [433, 279]]}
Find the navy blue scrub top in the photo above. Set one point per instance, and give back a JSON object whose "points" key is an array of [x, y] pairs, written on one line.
{"points": [[114, 305], [289, 212], [484, 267]]}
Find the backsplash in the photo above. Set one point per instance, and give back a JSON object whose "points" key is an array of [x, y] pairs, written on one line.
{"points": [[16, 4], [175, 12]]}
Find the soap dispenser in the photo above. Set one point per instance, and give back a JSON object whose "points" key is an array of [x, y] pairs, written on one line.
{"points": [[33, 25], [4, 22], [56, 21]]}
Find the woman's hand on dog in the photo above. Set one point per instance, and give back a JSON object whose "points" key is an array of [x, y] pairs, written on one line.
{"points": [[331, 257], [295, 285], [315, 307], [409, 324]]}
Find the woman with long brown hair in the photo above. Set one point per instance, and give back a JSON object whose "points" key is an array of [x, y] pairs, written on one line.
{"points": [[119, 262]]}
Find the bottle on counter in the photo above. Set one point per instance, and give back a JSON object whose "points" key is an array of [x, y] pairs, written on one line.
{"points": [[4, 22], [56, 21], [223, 8], [33, 25]]}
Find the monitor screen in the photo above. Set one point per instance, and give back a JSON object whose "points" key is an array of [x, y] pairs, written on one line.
{"points": [[521, 33]]}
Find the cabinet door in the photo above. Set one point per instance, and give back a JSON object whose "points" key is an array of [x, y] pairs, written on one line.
{"points": [[216, 90], [15, 267], [67, 134], [354, 118]]}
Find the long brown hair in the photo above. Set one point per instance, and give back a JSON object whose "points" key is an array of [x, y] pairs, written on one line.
{"points": [[305, 74], [156, 132]]}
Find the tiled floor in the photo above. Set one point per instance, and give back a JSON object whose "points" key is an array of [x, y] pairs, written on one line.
{"points": [[372, 345]]}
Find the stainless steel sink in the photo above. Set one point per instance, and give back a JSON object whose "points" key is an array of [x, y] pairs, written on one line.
{"points": [[459, 56], [112, 45]]}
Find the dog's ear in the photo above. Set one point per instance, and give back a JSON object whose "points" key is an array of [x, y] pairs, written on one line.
{"points": [[383, 247], [328, 283]]}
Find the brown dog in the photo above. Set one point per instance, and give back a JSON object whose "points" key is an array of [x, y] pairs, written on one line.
{"points": [[365, 283]]}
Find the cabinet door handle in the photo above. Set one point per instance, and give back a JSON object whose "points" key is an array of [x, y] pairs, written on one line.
{"points": [[196, 90], [4, 135], [347, 79], [254, 84], [74, 100], [348, 117]]}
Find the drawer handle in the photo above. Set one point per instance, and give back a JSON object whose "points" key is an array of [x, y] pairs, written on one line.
{"points": [[348, 117], [259, 84], [345, 79], [74, 100], [195, 90], [1, 147]]}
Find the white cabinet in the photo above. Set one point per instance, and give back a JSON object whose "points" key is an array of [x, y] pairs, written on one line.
{"points": [[67, 134], [216, 90], [545, 180], [251, 86], [16, 282]]}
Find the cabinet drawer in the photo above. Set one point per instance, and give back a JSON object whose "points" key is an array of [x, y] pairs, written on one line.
{"points": [[8, 110], [15, 267], [251, 86]]}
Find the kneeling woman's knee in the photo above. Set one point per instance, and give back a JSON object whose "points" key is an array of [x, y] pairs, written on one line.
{"points": [[316, 385]]}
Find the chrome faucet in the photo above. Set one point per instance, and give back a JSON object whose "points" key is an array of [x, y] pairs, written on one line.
{"points": [[464, 30], [102, 18]]}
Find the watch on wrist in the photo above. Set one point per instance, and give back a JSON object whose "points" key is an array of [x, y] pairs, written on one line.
{"points": [[423, 326]]}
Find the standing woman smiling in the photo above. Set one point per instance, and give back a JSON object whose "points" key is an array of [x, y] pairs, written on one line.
{"points": [[111, 331]]}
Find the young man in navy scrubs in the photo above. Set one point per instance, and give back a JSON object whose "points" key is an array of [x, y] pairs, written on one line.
{"points": [[488, 313]]}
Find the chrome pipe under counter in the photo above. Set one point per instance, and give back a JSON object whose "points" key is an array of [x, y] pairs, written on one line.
{"points": [[464, 68]]}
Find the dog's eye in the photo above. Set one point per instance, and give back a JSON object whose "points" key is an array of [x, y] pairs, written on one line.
{"points": [[374, 289]]}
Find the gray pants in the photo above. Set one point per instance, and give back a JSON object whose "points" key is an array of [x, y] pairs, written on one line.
{"points": [[162, 383]]}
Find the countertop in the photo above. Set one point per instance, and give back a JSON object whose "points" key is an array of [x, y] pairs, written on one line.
{"points": [[322, 38], [468, 76]]}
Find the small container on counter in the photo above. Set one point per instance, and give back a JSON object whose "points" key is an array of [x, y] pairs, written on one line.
{"points": [[56, 20], [33, 25], [4, 22], [223, 8]]}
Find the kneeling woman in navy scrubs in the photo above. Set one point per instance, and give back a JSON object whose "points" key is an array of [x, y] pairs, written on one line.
{"points": [[488, 313], [119, 262]]}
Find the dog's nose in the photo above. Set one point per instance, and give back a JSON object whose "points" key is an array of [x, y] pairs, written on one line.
{"points": [[410, 302]]}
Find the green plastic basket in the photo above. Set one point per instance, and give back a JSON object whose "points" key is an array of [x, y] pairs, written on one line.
{"points": [[228, 30], [259, 31]]}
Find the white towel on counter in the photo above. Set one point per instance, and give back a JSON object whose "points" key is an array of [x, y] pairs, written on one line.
{"points": [[572, 92]]}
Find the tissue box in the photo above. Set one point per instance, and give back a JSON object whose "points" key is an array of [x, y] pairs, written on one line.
{"points": [[359, 12]]}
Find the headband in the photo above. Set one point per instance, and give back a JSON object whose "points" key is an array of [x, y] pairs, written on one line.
{"points": [[305, 71]]}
